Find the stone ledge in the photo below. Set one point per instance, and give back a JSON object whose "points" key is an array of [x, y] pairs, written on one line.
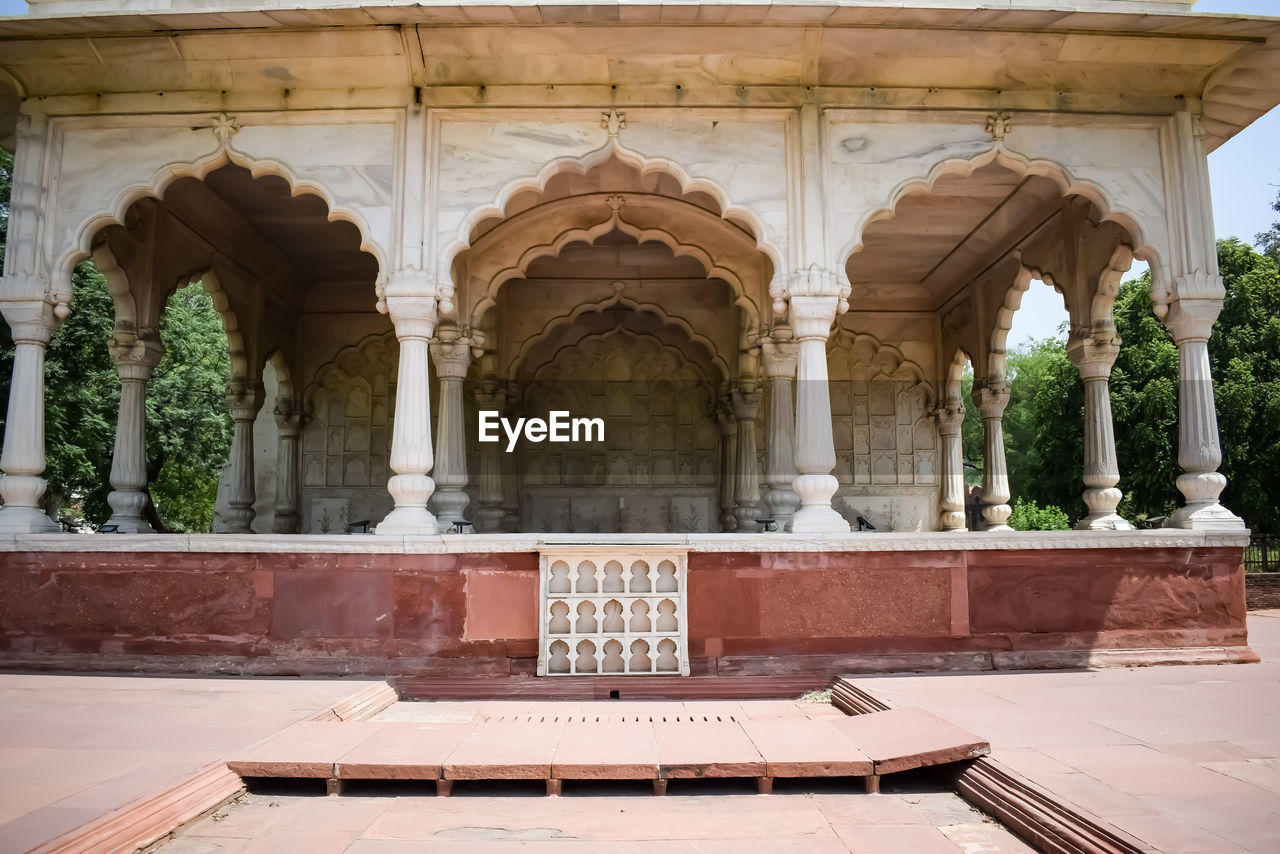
{"points": [[506, 543]]}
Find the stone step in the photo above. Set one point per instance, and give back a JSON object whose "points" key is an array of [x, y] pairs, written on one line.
{"points": [[593, 744]]}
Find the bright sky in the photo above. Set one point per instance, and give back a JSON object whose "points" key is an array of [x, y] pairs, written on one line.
{"points": [[1245, 174]]}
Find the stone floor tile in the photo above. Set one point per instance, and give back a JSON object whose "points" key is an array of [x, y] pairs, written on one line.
{"points": [[869, 809], [352, 814], [1171, 835], [504, 751], [899, 739], [403, 751], [894, 839], [301, 842], [1263, 773], [698, 749], [985, 837], [606, 751], [805, 748], [305, 749]]}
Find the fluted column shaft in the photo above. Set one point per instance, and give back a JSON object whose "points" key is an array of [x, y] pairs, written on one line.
{"points": [[288, 470], [746, 494], [1199, 452], [411, 450], [1094, 358], [32, 323], [452, 359], [815, 453], [244, 400], [951, 499], [135, 360], [995, 471], [779, 356], [728, 467], [490, 396]]}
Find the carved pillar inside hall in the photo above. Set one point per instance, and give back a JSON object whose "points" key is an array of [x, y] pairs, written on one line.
{"points": [[31, 323], [779, 354], [414, 316], [728, 466], [511, 472], [1093, 357], [815, 450], [490, 396], [452, 359], [746, 489], [288, 468], [951, 476], [244, 399], [1189, 313], [135, 357], [991, 402]]}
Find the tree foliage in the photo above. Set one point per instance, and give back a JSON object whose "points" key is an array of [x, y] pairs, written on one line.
{"points": [[1029, 516]]}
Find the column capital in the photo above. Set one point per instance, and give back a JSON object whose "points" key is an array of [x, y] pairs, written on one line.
{"points": [[814, 281], [745, 400], [812, 316], [778, 351], [135, 355], [1190, 319], [452, 358], [992, 400], [413, 316], [725, 417], [950, 417], [244, 399], [1094, 356], [30, 321]]}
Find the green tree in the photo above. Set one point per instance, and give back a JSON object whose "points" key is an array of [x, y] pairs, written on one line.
{"points": [[1269, 241]]}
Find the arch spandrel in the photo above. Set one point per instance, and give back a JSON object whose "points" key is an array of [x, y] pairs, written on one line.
{"points": [[146, 161]]}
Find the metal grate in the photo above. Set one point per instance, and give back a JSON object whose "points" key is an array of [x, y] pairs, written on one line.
{"points": [[1262, 554]]}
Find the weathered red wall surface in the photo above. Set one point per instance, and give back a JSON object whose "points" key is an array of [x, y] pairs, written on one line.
{"points": [[475, 614]]}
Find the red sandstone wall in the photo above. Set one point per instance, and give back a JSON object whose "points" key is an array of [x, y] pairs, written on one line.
{"points": [[749, 614]]}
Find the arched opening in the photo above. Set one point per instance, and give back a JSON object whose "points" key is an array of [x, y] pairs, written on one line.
{"points": [[287, 284], [963, 247], [616, 294]]}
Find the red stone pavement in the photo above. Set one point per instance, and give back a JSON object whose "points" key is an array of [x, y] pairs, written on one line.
{"points": [[1186, 759], [73, 748]]}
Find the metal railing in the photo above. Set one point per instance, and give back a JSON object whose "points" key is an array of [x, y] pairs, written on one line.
{"points": [[1262, 554]]}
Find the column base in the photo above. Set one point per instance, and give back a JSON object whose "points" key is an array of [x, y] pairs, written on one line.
{"points": [[1104, 522], [126, 512], [816, 515], [449, 502], [131, 525], [747, 516], [1208, 516], [15, 519], [408, 521]]}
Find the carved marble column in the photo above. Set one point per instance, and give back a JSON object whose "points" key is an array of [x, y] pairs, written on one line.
{"points": [[995, 472], [135, 358], [779, 354], [31, 323], [811, 318], [511, 472], [452, 358], [1093, 357], [746, 494], [490, 396], [951, 462], [411, 451], [728, 466], [244, 400], [288, 468], [1199, 453]]}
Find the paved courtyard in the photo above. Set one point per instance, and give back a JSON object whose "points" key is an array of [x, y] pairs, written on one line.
{"points": [[1182, 759]]}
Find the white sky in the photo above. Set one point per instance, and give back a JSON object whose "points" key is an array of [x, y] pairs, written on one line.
{"points": [[1245, 175]]}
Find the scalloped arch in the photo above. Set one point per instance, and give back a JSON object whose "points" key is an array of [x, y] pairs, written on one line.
{"points": [[594, 233], [198, 169], [845, 339], [1067, 183], [568, 319], [366, 348], [230, 325], [497, 209], [620, 332]]}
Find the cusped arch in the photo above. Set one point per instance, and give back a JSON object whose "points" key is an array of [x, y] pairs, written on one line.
{"points": [[738, 215], [713, 266], [199, 169], [1023, 166], [620, 332], [230, 324], [564, 321], [883, 360], [368, 351]]}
